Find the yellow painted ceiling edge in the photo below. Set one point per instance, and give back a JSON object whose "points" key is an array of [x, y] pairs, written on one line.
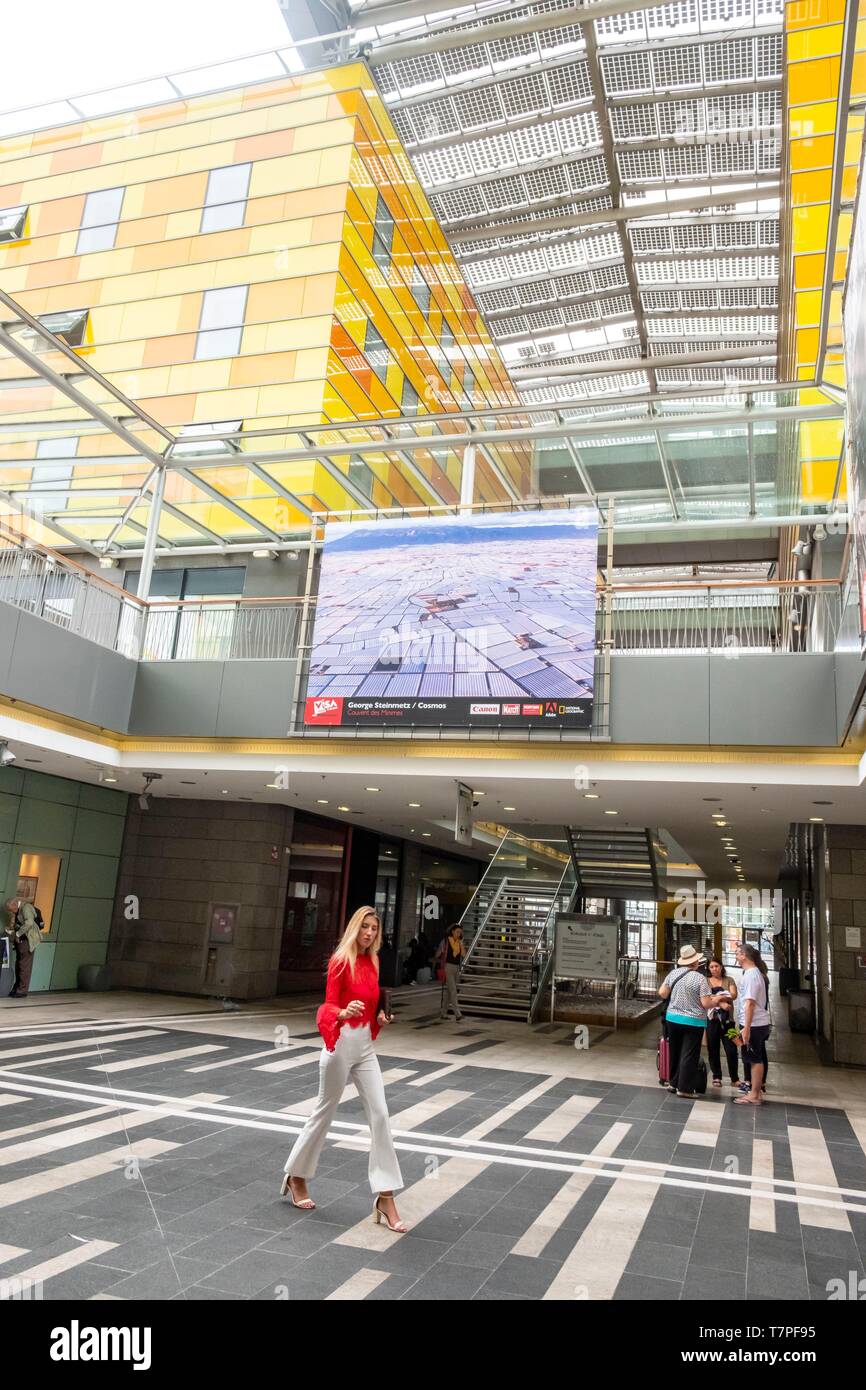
{"points": [[602, 751]]}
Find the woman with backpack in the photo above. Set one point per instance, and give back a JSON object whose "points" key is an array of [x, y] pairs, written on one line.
{"points": [[688, 995], [24, 929], [754, 1011]]}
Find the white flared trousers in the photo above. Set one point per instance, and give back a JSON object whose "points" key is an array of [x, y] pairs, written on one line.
{"points": [[352, 1059]]}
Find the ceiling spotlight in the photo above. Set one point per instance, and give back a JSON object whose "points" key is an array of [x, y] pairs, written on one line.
{"points": [[343, 808], [591, 796], [371, 789], [509, 808], [820, 532], [320, 801], [416, 805], [818, 819], [425, 834], [6, 755], [611, 813]]}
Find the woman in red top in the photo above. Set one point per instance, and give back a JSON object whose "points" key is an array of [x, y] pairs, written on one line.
{"points": [[349, 1020]]}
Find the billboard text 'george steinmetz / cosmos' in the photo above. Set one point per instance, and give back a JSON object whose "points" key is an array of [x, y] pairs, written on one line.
{"points": [[482, 619]]}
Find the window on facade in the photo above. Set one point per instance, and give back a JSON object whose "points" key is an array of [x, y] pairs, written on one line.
{"points": [[70, 325], [198, 632], [196, 441], [221, 323], [376, 352], [409, 398], [13, 224], [446, 344], [226, 198], [56, 468], [383, 236], [99, 222], [420, 291], [362, 476]]}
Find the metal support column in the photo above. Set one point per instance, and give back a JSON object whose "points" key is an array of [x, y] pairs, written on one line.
{"points": [[467, 478], [607, 625], [152, 535]]}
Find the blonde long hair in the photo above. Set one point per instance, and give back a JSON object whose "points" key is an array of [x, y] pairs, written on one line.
{"points": [[347, 951]]}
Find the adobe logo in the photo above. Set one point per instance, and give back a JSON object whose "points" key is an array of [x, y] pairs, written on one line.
{"points": [[324, 710]]}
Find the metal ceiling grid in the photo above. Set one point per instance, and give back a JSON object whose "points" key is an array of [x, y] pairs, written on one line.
{"points": [[685, 108]]}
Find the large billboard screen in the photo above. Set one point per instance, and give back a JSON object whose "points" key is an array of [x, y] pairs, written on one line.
{"points": [[484, 619]]}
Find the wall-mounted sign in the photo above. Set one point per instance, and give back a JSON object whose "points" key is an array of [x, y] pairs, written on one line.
{"points": [[852, 938], [223, 917], [586, 946], [463, 818]]}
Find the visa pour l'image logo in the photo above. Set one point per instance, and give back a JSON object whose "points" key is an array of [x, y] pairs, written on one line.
{"points": [[324, 709]]}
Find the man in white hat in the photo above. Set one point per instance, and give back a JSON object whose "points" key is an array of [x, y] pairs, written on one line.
{"points": [[689, 998]]}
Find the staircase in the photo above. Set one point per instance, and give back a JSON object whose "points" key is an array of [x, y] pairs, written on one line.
{"points": [[496, 980], [619, 863]]}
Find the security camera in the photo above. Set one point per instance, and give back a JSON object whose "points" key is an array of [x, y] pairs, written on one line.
{"points": [[6, 755], [144, 797]]}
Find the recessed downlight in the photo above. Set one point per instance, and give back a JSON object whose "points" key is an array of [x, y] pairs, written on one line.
{"points": [[320, 801], [509, 808], [415, 805], [343, 808], [611, 813], [371, 789], [591, 796]]}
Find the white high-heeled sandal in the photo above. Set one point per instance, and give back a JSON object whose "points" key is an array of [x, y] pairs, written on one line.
{"points": [[378, 1215], [306, 1203]]}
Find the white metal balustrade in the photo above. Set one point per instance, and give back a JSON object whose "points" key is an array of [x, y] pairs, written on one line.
{"points": [[727, 619], [221, 630], [70, 597]]}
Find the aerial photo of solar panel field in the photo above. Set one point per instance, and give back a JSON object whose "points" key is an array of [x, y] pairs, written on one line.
{"points": [[485, 606]]}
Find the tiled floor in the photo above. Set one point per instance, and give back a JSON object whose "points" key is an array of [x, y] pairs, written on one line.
{"points": [[142, 1140]]}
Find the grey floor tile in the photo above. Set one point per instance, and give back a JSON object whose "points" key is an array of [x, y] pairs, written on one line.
{"points": [[522, 1275], [445, 1283], [658, 1261], [642, 1288], [479, 1250]]}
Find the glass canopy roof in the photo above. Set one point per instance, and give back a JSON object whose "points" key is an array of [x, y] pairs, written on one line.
{"points": [[614, 192]]}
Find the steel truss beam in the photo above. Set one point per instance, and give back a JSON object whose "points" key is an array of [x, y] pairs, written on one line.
{"points": [[483, 230], [597, 428]]}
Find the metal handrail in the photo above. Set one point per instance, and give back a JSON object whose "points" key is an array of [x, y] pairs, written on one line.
{"points": [[544, 970], [476, 938]]}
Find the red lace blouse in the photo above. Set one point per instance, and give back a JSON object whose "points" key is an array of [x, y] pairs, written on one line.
{"points": [[343, 986]]}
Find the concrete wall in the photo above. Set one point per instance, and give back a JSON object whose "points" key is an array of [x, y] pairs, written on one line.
{"points": [[234, 699], [780, 699], [83, 827], [179, 859], [846, 885], [56, 670]]}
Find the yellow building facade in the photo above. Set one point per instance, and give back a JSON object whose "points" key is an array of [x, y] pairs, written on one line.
{"points": [[259, 259]]}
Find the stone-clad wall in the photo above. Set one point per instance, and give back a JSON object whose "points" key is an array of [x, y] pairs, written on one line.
{"points": [[178, 858], [847, 897]]}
